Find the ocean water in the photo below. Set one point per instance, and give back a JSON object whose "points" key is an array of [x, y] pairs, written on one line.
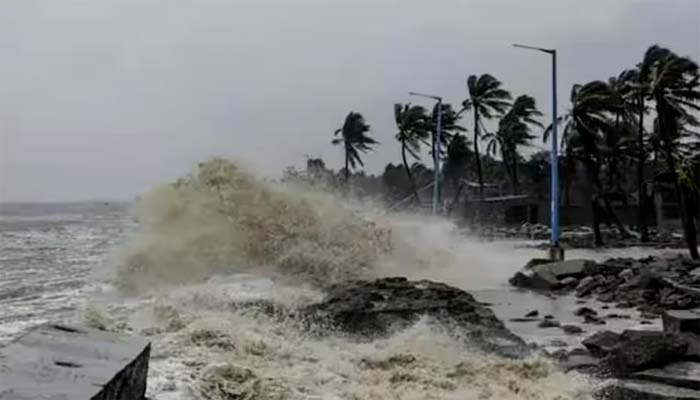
{"points": [[171, 267]]}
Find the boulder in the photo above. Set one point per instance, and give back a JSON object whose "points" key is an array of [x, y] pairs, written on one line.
{"points": [[548, 323], [588, 284], [583, 311], [532, 313], [602, 343], [377, 308], [572, 329], [547, 276], [639, 350]]}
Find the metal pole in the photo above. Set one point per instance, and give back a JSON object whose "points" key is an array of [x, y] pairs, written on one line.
{"points": [[555, 251], [555, 158], [438, 148]]}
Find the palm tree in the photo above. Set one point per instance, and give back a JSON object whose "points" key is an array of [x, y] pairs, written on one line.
{"points": [[412, 123], [674, 86], [513, 132], [486, 100], [591, 104], [619, 140], [355, 140]]}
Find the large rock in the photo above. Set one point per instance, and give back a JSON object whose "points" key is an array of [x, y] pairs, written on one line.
{"points": [[378, 308], [548, 275], [62, 362], [639, 350], [602, 343]]}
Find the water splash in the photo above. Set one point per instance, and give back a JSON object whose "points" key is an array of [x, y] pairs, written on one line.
{"points": [[221, 237]]}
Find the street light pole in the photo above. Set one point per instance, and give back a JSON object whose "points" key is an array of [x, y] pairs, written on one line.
{"points": [[436, 149], [555, 252]]}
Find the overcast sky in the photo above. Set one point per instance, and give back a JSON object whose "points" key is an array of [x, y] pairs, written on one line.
{"points": [[106, 98]]}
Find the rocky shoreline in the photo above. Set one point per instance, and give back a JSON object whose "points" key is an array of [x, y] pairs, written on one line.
{"points": [[646, 364]]}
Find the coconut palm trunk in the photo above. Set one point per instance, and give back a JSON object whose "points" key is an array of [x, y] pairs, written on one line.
{"points": [[687, 220], [409, 173], [477, 155], [641, 213]]}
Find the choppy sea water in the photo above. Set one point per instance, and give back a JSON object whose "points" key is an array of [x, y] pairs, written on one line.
{"points": [[48, 257], [55, 262]]}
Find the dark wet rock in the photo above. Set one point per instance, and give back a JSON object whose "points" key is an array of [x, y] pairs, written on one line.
{"points": [[547, 276], [549, 316], [593, 320], [588, 285], [583, 311], [368, 309], [639, 350], [680, 374], [549, 323], [531, 314], [602, 343], [523, 320], [618, 316], [572, 329], [537, 261]]}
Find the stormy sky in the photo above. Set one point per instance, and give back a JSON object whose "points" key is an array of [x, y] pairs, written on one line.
{"points": [[104, 99]]}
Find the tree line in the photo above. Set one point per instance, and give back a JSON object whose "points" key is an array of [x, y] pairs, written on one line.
{"points": [[631, 133]]}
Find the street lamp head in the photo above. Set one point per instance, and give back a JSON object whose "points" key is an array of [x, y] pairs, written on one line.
{"points": [[430, 96], [522, 46]]}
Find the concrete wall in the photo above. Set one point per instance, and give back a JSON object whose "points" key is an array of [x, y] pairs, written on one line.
{"points": [[72, 363]]}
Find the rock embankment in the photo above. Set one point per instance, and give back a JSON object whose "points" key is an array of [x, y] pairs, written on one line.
{"points": [[651, 284], [645, 364]]}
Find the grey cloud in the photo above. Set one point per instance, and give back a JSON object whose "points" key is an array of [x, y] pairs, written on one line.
{"points": [[107, 98]]}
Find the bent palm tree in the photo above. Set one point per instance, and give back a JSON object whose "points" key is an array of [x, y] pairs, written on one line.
{"points": [[582, 135], [411, 122], [674, 85], [353, 136], [513, 132], [486, 99]]}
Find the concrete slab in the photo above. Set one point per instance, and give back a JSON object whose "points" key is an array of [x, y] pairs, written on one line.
{"points": [[641, 390], [678, 321], [58, 362], [681, 374]]}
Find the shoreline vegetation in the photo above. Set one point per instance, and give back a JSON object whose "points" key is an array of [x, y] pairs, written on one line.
{"points": [[630, 140]]}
